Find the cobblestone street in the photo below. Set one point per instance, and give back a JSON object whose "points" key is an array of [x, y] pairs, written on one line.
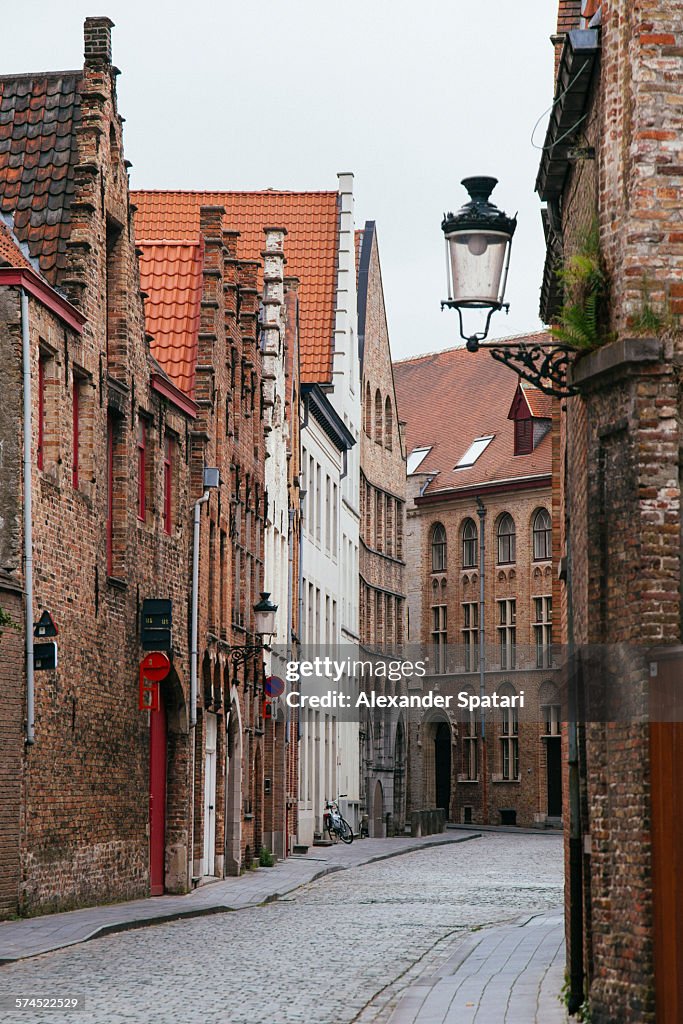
{"points": [[322, 954]]}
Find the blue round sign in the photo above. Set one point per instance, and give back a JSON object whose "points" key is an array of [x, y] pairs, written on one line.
{"points": [[274, 686]]}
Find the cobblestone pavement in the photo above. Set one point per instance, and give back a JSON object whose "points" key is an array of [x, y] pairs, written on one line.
{"points": [[321, 954]]}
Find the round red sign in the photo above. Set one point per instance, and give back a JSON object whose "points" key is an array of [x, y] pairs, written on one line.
{"points": [[155, 666]]}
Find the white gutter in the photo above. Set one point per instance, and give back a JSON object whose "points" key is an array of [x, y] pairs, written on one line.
{"points": [[28, 519], [195, 602]]}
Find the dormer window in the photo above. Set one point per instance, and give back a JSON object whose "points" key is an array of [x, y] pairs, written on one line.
{"points": [[531, 413]]}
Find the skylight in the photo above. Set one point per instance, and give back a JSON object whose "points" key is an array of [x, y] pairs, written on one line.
{"points": [[416, 458], [479, 445]]}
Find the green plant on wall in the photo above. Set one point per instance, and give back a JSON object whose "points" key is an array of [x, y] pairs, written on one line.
{"points": [[585, 291], [6, 621], [650, 318]]}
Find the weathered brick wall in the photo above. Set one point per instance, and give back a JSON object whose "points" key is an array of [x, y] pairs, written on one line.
{"points": [[619, 469]]}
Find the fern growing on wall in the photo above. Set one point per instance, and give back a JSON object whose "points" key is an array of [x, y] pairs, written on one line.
{"points": [[585, 287]]}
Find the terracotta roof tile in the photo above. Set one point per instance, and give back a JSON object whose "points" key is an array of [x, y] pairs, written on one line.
{"points": [[38, 117], [311, 219], [10, 252], [171, 274], [448, 399], [540, 404]]}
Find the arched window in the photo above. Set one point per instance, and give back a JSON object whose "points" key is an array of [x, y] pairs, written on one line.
{"points": [[469, 544], [368, 410], [543, 536], [388, 431], [378, 417], [438, 548], [506, 539]]}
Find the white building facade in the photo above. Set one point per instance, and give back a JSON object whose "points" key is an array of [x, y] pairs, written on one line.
{"points": [[329, 744]]}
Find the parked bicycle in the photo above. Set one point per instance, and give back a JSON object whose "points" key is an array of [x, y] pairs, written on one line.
{"points": [[335, 824]]}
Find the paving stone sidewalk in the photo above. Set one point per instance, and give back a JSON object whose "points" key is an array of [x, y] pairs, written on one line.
{"points": [[33, 936], [511, 974]]}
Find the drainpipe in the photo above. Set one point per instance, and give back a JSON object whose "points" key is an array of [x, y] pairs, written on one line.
{"points": [[195, 603], [28, 520], [481, 512], [576, 979]]}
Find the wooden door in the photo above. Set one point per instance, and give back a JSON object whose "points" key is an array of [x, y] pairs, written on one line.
{"points": [[157, 800], [666, 767]]}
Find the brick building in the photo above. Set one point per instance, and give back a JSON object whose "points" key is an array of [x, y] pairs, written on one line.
{"points": [[107, 476], [382, 598], [611, 168], [479, 457]]}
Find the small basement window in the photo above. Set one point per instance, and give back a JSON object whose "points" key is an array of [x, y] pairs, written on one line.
{"points": [[477, 448]]}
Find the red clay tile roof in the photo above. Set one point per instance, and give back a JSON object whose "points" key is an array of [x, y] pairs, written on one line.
{"points": [[450, 398], [38, 117], [311, 219], [171, 274], [10, 253], [540, 404]]}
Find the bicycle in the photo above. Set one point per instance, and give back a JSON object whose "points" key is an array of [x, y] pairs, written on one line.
{"points": [[335, 824]]}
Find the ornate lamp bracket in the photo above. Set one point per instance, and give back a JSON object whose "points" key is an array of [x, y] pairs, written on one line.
{"points": [[545, 366]]}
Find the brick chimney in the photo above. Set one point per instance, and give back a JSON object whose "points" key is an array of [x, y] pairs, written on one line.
{"points": [[97, 35]]}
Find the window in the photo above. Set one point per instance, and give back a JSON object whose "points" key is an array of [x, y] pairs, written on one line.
{"points": [[469, 545], [509, 741], [438, 548], [318, 501], [43, 360], [76, 430], [470, 635], [169, 460], [543, 631], [469, 747], [543, 536], [142, 468], [378, 417], [388, 432], [477, 448], [328, 513], [551, 719], [506, 539], [439, 637], [335, 528], [416, 457], [524, 437], [110, 494], [368, 410], [507, 632]]}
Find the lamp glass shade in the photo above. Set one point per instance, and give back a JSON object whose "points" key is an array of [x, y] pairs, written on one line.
{"points": [[477, 259], [264, 616]]}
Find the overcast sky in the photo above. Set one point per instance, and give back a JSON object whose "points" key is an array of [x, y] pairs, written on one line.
{"points": [[411, 97]]}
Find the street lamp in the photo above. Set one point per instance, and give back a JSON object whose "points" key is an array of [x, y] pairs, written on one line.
{"points": [[264, 615], [478, 241]]}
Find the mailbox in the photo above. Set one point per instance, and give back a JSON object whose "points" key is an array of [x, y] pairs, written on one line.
{"points": [[156, 625]]}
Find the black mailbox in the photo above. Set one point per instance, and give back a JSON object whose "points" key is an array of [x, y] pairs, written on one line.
{"points": [[156, 624]]}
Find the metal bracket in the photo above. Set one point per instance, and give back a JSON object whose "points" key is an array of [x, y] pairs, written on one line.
{"points": [[544, 366]]}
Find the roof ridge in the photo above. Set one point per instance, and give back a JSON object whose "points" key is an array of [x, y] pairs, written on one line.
{"points": [[41, 74], [463, 347], [236, 191], [167, 241]]}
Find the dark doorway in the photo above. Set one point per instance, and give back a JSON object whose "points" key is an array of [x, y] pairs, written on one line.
{"points": [[442, 767], [378, 812], [554, 757]]}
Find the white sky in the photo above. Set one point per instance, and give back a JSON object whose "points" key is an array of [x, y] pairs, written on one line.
{"points": [[411, 97]]}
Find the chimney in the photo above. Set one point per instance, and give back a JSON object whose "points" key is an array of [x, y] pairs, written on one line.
{"points": [[97, 34]]}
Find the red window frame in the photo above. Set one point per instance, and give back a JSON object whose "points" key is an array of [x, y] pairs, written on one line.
{"points": [[110, 494], [41, 409], [142, 468], [168, 483], [76, 427]]}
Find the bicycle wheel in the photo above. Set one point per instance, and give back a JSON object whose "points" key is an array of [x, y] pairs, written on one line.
{"points": [[346, 832]]}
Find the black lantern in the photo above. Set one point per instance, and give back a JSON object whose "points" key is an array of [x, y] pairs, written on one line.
{"points": [[264, 614], [478, 240]]}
